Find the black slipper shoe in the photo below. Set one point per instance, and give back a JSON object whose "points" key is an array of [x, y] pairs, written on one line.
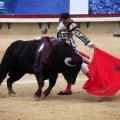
{"points": [[64, 93]]}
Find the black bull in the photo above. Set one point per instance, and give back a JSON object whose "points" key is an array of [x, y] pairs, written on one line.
{"points": [[44, 58]]}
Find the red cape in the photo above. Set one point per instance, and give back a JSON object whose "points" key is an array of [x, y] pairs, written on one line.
{"points": [[104, 74]]}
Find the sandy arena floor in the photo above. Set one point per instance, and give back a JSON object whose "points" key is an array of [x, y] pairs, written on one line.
{"points": [[78, 106]]}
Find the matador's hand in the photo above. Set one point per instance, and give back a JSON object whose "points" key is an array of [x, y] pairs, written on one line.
{"points": [[91, 45]]}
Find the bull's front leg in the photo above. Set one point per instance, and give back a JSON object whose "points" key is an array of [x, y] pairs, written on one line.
{"points": [[52, 82], [40, 86], [39, 91]]}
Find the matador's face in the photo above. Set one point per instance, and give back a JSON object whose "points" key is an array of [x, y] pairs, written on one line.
{"points": [[66, 21]]}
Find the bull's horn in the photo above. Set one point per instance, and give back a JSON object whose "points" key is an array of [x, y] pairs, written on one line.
{"points": [[67, 60]]}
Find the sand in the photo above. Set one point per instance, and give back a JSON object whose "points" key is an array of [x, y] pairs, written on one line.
{"points": [[78, 106]]}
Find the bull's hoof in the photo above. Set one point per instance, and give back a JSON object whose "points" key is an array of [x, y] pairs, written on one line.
{"points": [[38, 95], [42, 96], [37, 99], [12, 94]]}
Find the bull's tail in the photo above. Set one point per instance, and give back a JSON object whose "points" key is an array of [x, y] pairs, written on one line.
{"points": [[3, 72]]}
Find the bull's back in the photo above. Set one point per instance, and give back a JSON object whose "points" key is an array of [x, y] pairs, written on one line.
{"points": [[23, 47], [21, 54]]}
